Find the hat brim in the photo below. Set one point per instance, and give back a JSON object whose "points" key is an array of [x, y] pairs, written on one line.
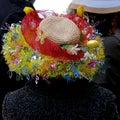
{"points": [[32, 21], [100, 7]]}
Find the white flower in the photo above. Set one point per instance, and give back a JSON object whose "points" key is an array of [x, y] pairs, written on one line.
{"points": [[87, 55], [73, 49]]}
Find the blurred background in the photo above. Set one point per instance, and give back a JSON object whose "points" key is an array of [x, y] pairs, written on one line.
{"points": [[59, 6]]}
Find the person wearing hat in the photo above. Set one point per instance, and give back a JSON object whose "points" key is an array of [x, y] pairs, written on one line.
{"points": [[59, 54], [11, 11], [107, 14]]}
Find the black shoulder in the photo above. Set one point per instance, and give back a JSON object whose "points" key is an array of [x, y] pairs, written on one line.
{"points": [[103, 93]]}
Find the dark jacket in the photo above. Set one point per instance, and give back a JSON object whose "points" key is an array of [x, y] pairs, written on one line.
{"points": [[77, 101], [112, 67], [112, 53], [109, 75]]}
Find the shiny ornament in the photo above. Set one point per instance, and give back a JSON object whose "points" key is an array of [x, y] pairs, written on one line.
{"points": [[92, 43], [80, 10], [28, 10]]}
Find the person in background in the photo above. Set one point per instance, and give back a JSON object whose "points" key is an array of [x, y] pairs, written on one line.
{"points": [[11, 11], [14, 13], [105, 17], [3, 12], [59, 55]]}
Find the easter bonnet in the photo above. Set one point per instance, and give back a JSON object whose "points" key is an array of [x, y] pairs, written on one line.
{"points": [[50, 45]]}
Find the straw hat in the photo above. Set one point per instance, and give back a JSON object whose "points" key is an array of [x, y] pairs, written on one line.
{"points": [[60, 30], [54, 30], [97, 6]]}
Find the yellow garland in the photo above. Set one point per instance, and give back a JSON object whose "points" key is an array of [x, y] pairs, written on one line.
{"points": [[22, 59]]}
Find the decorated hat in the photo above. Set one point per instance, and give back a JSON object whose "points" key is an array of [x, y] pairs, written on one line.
{"points": [[50, 45], [97, 6]]}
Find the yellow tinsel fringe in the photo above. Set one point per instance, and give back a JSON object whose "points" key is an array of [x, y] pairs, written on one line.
{"points": [[22, 59]]}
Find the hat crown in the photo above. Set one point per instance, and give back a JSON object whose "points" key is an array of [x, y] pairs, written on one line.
{"points": [[60, 30]]}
